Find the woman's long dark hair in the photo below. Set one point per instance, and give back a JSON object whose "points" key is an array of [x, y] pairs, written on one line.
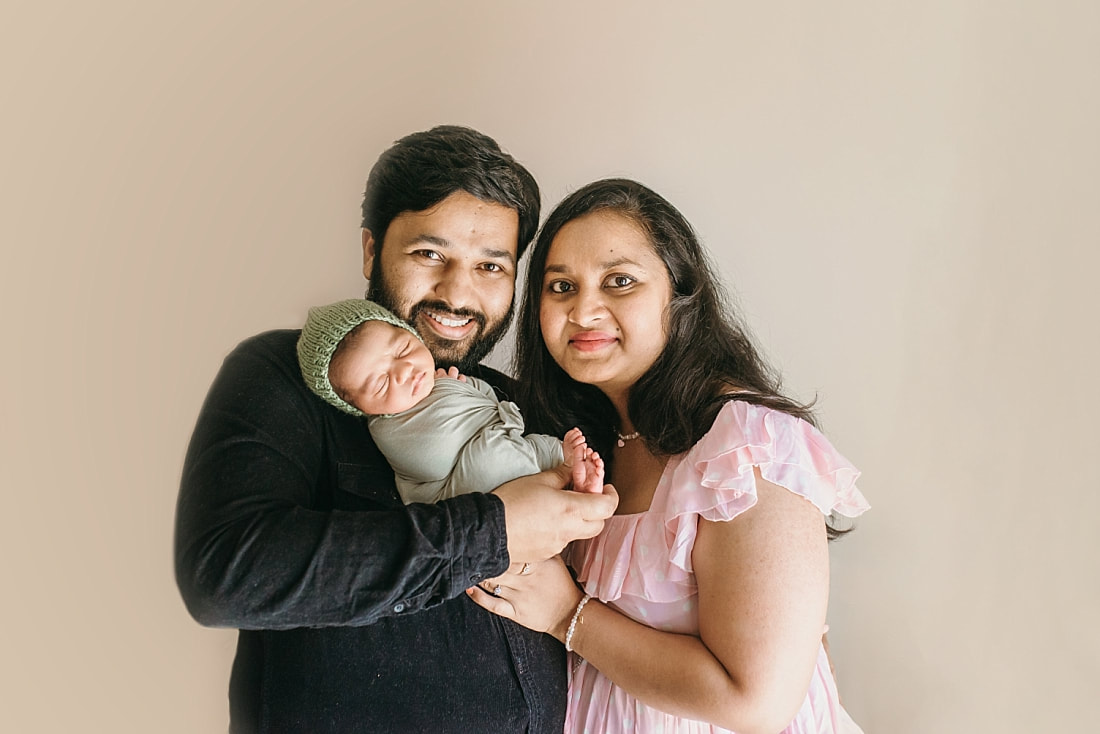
{"points": [[709, 358]]}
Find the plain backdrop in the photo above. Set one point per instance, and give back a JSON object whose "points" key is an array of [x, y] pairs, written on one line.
{"points": [[904, 198]]}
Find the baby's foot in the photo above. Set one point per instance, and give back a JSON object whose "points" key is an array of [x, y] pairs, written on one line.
{"points": [[573, 439], [586, 465]]}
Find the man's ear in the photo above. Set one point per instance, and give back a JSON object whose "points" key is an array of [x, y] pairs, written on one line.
{"points": [[368, 253]]}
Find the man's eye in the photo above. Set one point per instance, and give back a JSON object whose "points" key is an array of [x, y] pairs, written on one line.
{"points": [[493, 267], [428, 254]]}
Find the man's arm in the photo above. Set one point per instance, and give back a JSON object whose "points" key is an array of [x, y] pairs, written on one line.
{"points": [[252, 553]]}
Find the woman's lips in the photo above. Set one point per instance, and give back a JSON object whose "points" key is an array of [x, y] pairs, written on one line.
{"points": [[591, 341]]}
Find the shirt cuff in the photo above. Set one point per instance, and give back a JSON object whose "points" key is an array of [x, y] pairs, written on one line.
{"points": [[480, 539]]}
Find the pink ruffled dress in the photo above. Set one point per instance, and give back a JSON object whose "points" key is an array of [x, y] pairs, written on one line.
{"points": [[641, 564]]}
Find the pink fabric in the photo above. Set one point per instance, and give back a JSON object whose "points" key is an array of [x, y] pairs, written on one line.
{"points": [[641, 564]]}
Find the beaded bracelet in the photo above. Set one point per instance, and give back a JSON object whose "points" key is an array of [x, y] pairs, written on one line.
{"points": [[573, 623]]}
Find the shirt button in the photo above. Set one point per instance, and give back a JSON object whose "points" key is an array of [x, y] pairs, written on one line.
{"points": [[399, 607], [476, 577]]}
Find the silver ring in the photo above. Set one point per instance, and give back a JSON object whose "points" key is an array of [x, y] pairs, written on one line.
{"points": [[525, 570], [496, 590]]}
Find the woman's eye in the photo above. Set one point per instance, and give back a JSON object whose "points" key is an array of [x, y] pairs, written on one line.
{"points": [[621, 281], [560, 286]]}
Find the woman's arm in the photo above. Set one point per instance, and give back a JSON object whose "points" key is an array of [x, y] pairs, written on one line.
{"points": [[763, 589]]}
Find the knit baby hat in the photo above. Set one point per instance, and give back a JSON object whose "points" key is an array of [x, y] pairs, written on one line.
{"points": [[325, 327]]}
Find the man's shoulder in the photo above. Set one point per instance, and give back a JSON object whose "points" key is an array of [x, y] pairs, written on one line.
{"points": [[278, 345], [277, 340], [271, 353]]}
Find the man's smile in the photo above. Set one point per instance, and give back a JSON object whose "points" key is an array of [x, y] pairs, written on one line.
{"points": [[446, 324], [452, 321]]}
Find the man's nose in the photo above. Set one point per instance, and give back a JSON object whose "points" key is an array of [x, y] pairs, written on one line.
{"points": [[456, 287]]}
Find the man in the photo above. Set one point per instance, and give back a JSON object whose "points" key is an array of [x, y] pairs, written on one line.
{"points": [[289, 527]]}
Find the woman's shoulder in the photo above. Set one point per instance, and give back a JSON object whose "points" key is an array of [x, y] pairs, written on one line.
{"points": [[789, 452], [740, 420]]}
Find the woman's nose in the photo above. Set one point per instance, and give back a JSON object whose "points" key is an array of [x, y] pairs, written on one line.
{"points": [[588, 307]]}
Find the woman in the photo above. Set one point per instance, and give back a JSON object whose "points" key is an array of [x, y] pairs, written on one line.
{"points": [[703, 600]]}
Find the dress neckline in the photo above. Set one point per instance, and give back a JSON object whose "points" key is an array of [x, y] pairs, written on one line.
{"points": [[660, 492]]}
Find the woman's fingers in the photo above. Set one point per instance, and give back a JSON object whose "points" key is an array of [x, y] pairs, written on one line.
{"points": [[520, 568], [495, 604]]}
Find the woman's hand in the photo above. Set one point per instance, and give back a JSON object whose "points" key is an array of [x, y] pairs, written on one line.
{"points": [[540, 596]]}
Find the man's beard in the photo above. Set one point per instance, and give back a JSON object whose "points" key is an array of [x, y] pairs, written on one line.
{"points": [[465, 355]]}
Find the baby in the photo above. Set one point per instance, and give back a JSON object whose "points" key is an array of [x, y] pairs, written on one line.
{"points": [[443, 433]]}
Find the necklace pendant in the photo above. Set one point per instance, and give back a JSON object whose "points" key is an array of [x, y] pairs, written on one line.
{"points": [[628, 437]]}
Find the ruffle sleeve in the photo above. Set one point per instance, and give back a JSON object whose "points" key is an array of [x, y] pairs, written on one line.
{"points": [[715, 480]]}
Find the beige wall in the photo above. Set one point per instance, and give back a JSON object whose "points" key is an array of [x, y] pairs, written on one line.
{"points": [[904, 196]]}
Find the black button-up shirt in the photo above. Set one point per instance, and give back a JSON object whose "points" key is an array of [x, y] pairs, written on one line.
{"points": [[350, 604]]}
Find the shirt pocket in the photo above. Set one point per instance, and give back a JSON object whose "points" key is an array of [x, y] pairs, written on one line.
{"points": [[360, 487]]}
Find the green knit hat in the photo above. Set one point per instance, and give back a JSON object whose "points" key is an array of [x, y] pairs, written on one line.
{"points": [[325, 327]]}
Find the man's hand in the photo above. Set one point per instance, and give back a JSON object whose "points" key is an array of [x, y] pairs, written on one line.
{"points": [[541, 517]]}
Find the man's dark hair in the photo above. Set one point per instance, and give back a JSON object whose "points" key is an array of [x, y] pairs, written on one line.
{"points": [[423, 169]]}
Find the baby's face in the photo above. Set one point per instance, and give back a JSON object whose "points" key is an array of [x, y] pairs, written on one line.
{"points": [[382, 369]]}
